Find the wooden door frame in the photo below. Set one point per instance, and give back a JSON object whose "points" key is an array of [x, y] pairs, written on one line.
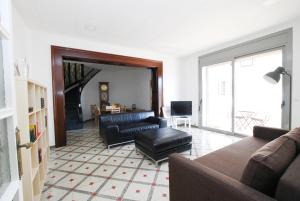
{"points": [[60, 53]]}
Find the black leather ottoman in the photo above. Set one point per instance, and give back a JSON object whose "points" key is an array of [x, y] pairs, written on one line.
{"points": [[158, 144]]}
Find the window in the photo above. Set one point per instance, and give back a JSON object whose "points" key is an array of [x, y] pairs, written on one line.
{"points": [[4, 157], [257, 102], [234, 96], [9, 184], [216, 79]]}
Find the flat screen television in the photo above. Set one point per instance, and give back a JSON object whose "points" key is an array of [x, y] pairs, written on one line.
{"points": [[181, 108]]}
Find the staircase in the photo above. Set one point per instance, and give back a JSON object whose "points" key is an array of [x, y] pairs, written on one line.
{"points": [[73, 110], [76, 77]]}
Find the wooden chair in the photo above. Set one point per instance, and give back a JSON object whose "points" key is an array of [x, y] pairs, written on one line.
{"points": [[92, 107], [97, 113], [123, 108], [116, 105], [115, 110]]}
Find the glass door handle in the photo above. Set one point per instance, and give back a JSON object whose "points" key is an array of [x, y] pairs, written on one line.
{"points": [[26, 145], [18, 140], [19, 153]]}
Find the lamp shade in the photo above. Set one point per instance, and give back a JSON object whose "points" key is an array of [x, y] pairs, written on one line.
{"points": [[272, 77]]}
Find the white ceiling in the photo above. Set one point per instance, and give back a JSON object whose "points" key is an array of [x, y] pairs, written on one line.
{"points": [[174, 27]]}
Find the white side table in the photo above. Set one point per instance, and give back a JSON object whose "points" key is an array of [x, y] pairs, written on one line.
{"points": [[186, 120]]}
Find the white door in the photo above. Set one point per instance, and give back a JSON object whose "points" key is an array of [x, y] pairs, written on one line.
{"points": [[9, 177]]}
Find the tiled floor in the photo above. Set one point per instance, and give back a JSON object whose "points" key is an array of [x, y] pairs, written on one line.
{"points": [[86, 170]]}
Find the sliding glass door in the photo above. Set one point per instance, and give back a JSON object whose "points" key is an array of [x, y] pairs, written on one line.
{"points": [[235, 96], [217, 96], [256, 102]]}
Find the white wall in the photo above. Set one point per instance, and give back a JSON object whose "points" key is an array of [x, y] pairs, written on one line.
{"points": [[39, 45], [189, 70], [21, 39], [125, 87]]}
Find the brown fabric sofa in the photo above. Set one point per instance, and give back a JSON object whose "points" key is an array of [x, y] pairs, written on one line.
{"points": [[218, 176]]}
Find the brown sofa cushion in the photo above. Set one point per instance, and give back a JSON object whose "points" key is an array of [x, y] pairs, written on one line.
{"points": [[232, 160], [294, 135], [267, 164], [288, 188]]}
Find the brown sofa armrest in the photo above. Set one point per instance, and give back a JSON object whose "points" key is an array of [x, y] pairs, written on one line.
{"points": [[268, 133], [191, 181]]}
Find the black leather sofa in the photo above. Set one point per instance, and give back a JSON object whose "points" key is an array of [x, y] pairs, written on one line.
{"points": [[120, 128]]}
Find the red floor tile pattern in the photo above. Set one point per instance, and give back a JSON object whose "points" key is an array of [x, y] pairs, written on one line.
{"points": [[86, 170]]}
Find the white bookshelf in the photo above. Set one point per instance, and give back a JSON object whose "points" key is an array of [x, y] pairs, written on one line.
{"points": [[29, 94]]}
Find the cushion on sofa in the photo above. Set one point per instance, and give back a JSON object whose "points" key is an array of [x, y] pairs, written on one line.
{"points": [[232, 160], [136, 127], [267, 164], [294, 135], [124, 118], [288, 188]]}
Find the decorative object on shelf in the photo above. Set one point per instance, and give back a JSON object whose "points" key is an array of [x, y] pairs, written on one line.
{"points": [[104, 93], [42, 103], [30, 109], [23, 68]]}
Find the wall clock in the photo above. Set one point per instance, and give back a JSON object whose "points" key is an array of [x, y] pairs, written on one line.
{"points": [[104, 87], [103, 93]]}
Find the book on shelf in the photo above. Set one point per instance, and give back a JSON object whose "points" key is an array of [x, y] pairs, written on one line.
{"points": [[42, 103], [32, 132], [40, 155], [30, 109]]}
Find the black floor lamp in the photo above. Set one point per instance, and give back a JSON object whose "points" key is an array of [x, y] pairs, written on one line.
{"points": [[274, 77]]}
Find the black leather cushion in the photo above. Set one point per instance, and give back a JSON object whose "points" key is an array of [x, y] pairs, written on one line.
{"points": [[124, 118], [134, 128], [162, 139]]}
